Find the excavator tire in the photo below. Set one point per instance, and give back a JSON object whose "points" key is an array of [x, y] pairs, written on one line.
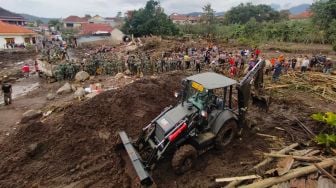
{"points": [[226, 134], [183, 159]]}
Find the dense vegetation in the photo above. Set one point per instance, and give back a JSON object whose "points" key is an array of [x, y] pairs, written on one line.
{"points": [[246, 23], [253, 24], [150, 20]]}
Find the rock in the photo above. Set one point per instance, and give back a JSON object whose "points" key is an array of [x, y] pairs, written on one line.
{"points": [[82, 76], [34, 149], [119, 76], [66, 88], [51, 96], [128, 72], [80, 92], [30, 115], [91, 95]]}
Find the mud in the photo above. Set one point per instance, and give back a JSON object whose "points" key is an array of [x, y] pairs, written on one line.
{"points": [[79, 149]]}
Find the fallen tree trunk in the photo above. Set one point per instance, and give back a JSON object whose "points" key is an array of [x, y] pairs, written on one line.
{"points": [[269, 159], [300, 158], [295, 173]]}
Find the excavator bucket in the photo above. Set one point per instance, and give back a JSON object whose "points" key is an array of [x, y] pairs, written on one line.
{"points": [[135, 158]]}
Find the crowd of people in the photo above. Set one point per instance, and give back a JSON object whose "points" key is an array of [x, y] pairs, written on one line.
{"points": [[232, 64]]}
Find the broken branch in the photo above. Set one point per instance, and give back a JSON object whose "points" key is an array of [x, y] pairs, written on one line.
{"points": [[300, 158], [218, 180], [298, 172], [269, 159]]}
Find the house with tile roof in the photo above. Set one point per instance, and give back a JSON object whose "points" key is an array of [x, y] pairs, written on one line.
{"points": [[183, 19], [11, 35], [95, 29], [302, 16], [72, 22], [11, 18]]}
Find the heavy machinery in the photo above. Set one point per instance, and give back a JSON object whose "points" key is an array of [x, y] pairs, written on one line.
{"points": [[207, 116]]}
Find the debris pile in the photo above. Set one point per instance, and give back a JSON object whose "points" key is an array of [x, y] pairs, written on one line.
{"points": [[80, 148], [317, 83]]}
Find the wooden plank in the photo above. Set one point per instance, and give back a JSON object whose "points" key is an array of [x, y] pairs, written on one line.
{"points": [[218, 180], [269, 159], [300, 158]]}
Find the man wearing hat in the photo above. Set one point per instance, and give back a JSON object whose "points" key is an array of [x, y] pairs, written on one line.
{"points": [[7, 91]]}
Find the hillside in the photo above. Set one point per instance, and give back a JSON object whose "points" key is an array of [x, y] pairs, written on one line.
{"points": [[299, 9], [35, 18]]}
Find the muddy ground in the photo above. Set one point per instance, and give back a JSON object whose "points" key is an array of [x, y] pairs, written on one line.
{"points": [[77, 147]]}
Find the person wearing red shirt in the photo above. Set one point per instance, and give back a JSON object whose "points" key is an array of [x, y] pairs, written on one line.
{"points": [[26, 70], [233, 71], [257, 52]]}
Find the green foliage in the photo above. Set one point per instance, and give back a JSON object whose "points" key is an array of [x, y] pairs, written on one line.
{"points": [[327, 139], [150, 20], [244, 12], [55, 23], [329, 118], [324, 13]]}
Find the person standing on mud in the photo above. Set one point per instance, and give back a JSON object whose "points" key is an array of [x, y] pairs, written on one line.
{"points": [[7, 91]]}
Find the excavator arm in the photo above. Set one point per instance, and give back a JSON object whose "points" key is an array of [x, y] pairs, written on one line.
{"points": [[255, 76]]}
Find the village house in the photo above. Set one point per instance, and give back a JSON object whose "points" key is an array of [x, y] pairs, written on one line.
{"points": [[13, 35], [302, 16], [183, 19], [90, 32], [114, 22], [11, 18], [72, 22]]}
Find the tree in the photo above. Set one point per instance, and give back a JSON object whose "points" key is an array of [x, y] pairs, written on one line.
{"points": [[150, 20], [87, 16], [119, 14], [55, 23], [244, 12], [38, 22], [324, 16], [208, 16]]}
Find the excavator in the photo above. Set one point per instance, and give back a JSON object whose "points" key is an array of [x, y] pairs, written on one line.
{"points": [[211, 110]]}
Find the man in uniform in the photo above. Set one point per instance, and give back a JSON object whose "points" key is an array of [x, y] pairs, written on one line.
{"points": [[7, 91]]}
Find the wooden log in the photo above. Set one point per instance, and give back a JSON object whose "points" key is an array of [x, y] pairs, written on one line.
{"points": [[234, 184], [219, 180], [325, 173], [295, 173], [300, 158], [269, 159]]}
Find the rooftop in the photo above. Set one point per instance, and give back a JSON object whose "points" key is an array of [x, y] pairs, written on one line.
{"points": [[75, 19], [90, 28], [210, 80], [9, 29], [303, 15]]}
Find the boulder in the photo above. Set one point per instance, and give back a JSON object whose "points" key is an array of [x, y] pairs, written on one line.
{"points": [[51, 96], [128, 72], [31, 115], [80, 92], [66, 88], [119, 76], [82, 76]]}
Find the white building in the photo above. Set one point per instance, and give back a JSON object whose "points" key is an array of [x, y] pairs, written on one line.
{"points": [[11, 35]]}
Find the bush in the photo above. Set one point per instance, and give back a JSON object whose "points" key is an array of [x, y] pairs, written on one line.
{"points": [[328, 137]]}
